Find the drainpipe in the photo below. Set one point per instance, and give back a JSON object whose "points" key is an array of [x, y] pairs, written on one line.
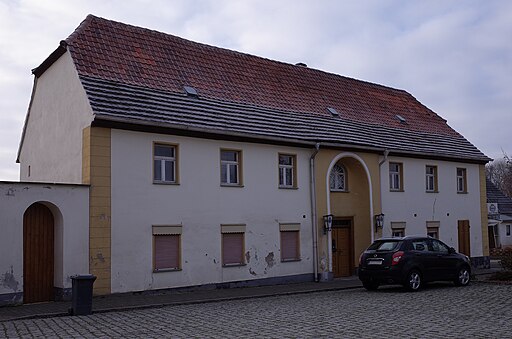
{"points": [[386, 153], [314, 225]]}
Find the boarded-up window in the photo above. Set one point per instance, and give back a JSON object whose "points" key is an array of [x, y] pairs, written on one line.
{"points": [[232, 249], [167, 247]]}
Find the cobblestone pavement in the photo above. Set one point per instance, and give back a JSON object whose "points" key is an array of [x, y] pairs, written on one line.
{"points": [[441, 311]]}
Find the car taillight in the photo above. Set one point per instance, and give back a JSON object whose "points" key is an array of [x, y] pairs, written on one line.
{"points": [[397, 256]]}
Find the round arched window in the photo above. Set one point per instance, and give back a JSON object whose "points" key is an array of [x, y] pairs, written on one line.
{"points": [[338, 178]]}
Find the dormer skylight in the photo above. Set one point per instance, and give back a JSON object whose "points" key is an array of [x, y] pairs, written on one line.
{"points": [[333, 111], [401, 119], [191, 91]]}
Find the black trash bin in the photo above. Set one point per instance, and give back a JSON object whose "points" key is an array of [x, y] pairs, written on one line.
{"points": [[81, 302]]}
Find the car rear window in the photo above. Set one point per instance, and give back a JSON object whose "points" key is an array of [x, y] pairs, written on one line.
{"points": [[384, 245]]}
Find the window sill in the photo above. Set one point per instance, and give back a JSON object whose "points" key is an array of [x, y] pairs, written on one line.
{"points": [[165, 183], [290, 260], [288, 187], [399, 190], [431, 191], [465, 192], [161, 270], [232, 265], [231, 185], [339, 191]]}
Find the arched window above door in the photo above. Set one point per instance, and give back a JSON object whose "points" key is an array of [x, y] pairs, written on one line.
{"points": [[338, 178]]}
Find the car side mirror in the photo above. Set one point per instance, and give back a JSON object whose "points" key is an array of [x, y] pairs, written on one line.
{"points": [[452, 250]]}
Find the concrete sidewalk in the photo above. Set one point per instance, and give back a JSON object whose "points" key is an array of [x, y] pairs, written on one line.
{"points": [[147, 299], [128, 301]]}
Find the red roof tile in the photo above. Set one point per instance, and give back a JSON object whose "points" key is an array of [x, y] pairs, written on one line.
{"points": [[115, 51]]}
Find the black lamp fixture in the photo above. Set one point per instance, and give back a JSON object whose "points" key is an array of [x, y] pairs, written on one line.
{"points": [[327, 223], [379, 221]]}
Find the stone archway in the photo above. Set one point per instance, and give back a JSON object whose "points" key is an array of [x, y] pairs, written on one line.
{"points": [[38, 254]]}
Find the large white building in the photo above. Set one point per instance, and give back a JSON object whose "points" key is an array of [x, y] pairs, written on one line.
{"points": [[205, 166]]}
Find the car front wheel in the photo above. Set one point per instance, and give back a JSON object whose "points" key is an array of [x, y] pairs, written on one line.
{"points": [[413, 281], [463, 277]]}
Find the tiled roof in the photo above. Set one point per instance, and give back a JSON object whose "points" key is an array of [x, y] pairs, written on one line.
{"points": [[495, 195], [161, 64], [118, 102]]}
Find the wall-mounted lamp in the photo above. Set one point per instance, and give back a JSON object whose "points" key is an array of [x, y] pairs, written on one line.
{"points": [[379, 221], [327, 223]]}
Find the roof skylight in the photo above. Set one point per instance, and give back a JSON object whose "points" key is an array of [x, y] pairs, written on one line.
{"points": [[401, 119], [333, 111], [191, 91]]}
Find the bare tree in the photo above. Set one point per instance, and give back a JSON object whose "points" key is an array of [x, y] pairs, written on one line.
{"points": [[499, 172]]}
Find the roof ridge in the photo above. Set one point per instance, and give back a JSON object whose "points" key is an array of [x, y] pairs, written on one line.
{"points": [[90, 17]]}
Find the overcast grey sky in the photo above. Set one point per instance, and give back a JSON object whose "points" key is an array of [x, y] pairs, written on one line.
{"points": [[453, 56]]}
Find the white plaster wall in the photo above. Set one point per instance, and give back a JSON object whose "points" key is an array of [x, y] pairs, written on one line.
{"points": [[70, 207], [506, 240], [58, 113], [447, 206], [201, 205]]}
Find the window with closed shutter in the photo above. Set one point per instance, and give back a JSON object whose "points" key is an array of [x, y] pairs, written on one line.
{"points": [[167, 252], [290, 245], [232, 249]]}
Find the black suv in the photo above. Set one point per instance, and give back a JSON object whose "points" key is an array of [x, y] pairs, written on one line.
{"points": [[412, 261]]}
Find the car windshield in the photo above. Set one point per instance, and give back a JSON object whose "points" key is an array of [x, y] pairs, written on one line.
{"points": [[384, 245]]}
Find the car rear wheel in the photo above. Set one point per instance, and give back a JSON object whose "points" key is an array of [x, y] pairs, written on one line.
{"points": [[463, 277], [413, 281], [370, 286]]}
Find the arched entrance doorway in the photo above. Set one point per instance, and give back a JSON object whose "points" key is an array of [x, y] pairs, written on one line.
{"points": [[350, 202], [38, 254]]}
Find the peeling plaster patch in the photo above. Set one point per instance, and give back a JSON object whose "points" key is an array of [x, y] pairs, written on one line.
{"points": [[270, 259], [248, 257], [10, 192], [47, 187], [252, 272], [9, 281], [206, 254], [214, 261], [255, 255]]}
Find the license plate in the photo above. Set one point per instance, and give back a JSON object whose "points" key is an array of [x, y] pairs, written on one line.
{"points": [[375, 262]]}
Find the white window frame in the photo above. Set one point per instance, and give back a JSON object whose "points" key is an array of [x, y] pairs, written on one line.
{"points": [[162, 160], [228, 164], [507, 230], [395, 175], [283, 170], [461, 180], [338, 175], [431, 178]]}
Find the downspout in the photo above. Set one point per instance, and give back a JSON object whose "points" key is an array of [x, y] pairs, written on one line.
{"points": [[314, 225], [386, 153]]}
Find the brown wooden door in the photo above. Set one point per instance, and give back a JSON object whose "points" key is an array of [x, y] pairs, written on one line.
{"points": [[38, 243], [464, 237], [341, 252]]}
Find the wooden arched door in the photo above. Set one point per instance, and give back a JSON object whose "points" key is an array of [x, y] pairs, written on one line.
{"points": [[38, 254]]}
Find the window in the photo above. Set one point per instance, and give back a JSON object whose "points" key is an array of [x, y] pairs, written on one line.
{"points": [[164, 163], [439, 247], [233, 245], [166, 248], [507, 229], [461, 180], [338, 178], [397, 228], [395, 176], [290, 242], [431, 178], [230, 167], [287, 171], [433, 229]]}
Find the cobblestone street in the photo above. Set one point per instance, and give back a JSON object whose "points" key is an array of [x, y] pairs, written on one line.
{"points": [[440, 311]]}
